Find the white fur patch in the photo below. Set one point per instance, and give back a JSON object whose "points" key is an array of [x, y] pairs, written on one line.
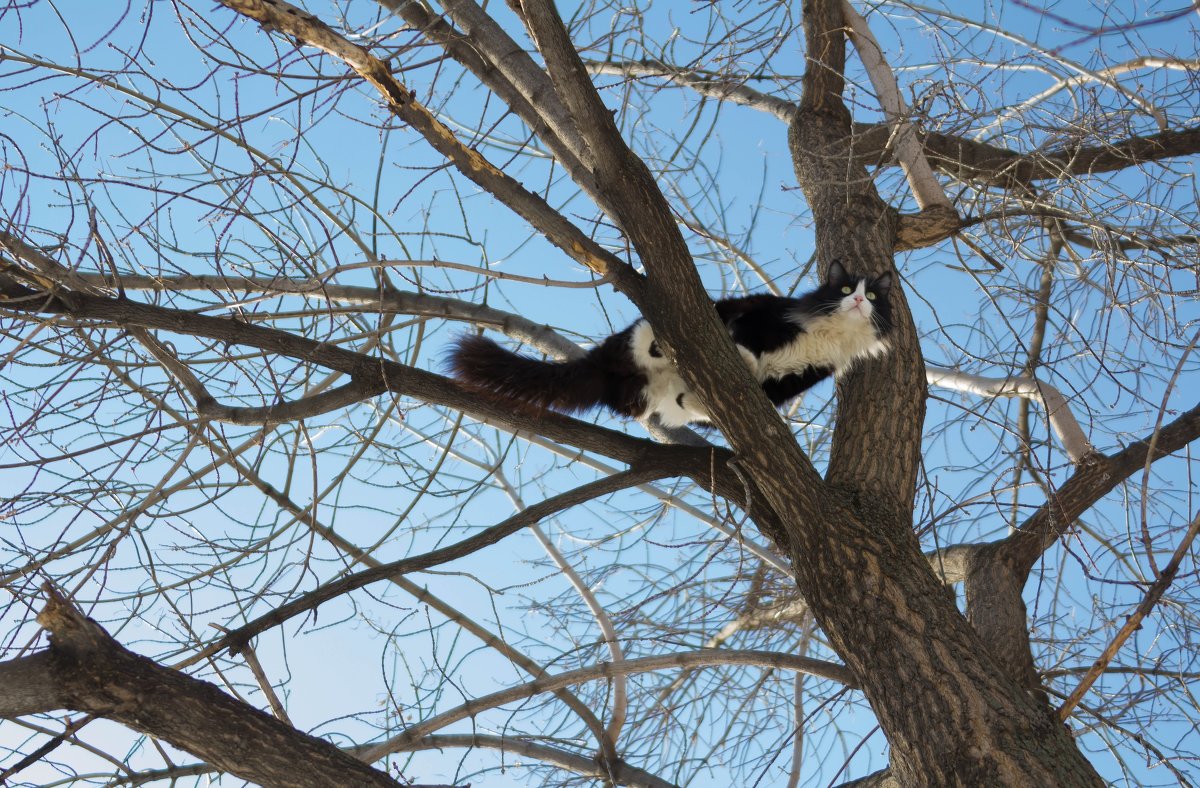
{"points": [[666, 393], [836, 340], [642, 337]]}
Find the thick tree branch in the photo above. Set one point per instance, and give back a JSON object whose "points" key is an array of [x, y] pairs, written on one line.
{"points": [[1093, 480], [925, 188], [29, 686], [395, 378], [673, 299], [286, 18], [86, 670], [715, 86], [1074, 442], [971, 160], [873, 465], [959, 156]]}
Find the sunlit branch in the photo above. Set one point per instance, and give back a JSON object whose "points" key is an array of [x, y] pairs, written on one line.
{"points": [[1081, 72], [925, 188], [798, 738], [490, 273], [264, 684], [705, 84], [1073, 440], [1106, 75]]}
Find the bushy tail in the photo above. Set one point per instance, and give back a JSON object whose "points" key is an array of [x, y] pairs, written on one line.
{"points": [[567, 386]]}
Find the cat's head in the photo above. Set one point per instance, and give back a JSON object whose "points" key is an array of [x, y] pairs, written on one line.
{"points": [[868, 298]]}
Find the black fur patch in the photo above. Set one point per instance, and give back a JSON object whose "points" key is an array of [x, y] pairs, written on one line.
{"points": [[607, 374]]}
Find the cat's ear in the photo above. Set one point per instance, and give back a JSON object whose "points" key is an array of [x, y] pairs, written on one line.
{"points": [[837, 274], [882, 283]]}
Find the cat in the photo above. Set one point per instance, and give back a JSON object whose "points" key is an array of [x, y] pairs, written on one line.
{"points": [[789, 344]]}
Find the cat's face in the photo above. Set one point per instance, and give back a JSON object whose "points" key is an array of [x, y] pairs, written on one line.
{"points": [[857, 297]]}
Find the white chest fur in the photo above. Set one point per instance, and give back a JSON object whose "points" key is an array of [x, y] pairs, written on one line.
{"points": [[835, 340]]}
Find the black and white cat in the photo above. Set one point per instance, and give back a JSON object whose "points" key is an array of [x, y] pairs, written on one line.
{"points": [[789, 344]]}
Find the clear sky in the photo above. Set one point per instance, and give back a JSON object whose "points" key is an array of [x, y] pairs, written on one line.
{"points": [[180, 189]]}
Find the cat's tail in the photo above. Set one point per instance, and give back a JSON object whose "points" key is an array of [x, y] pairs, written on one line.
{"points": [[566, 386]]}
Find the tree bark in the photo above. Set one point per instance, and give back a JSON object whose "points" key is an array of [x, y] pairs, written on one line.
{"points": [[952, 715], [86, 670]]}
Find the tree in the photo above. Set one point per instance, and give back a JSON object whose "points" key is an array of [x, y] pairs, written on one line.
{"points": [[236, 242]]}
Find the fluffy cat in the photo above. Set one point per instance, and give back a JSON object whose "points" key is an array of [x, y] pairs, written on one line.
{"points": [[789, 344]]}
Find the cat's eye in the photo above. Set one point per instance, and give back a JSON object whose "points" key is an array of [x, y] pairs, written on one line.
{"points": [[846, 291], [870, 296]]}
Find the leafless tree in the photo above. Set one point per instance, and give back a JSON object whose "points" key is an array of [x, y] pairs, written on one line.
{"points": [[251, 528]]}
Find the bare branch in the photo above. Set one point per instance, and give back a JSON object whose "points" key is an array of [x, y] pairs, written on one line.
{"points": [[621, 773], [705, 84], [236, 639], [1090, 482], [606, 670], [284, 17], [394, 377], [1073, 440], [971, 160], [495, 59], [93, 673], [1133, 622], [925, 188]]}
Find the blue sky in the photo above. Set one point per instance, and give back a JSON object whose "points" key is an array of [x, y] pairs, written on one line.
{"points": [[343, 189]]}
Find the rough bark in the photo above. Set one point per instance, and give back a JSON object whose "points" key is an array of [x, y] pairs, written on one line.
{"points": [[951, 713], [969, 159], [952, 716], [87, 670], [995, 574]]}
